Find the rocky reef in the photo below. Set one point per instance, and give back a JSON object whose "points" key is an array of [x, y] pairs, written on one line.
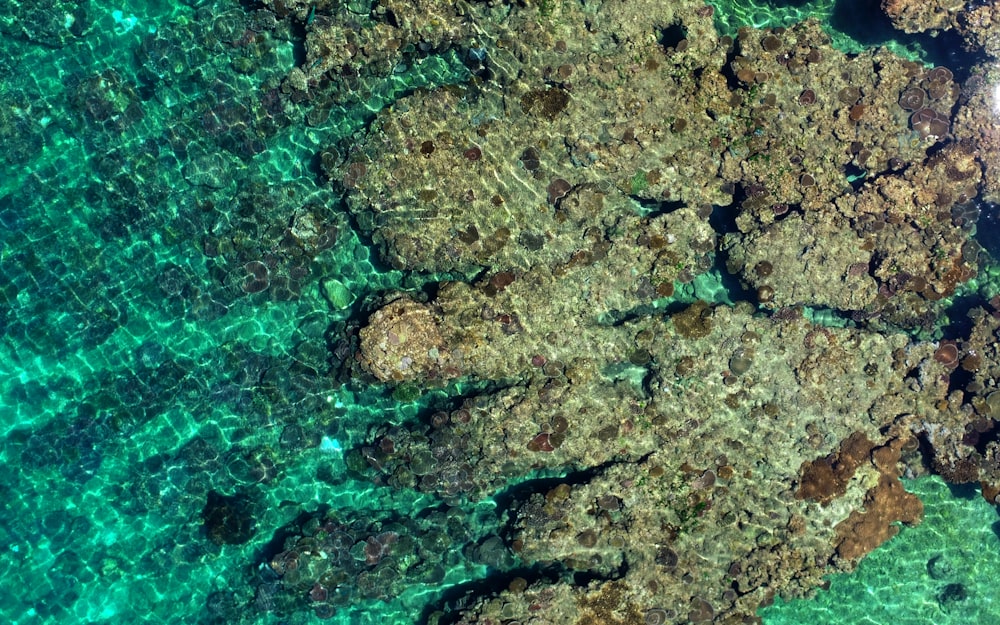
{"points": [[658, 456]]}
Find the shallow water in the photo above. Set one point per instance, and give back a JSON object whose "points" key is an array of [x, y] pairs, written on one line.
{"points": [[143, 370]]}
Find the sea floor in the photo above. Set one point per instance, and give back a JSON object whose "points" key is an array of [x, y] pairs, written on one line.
{"points": [[143, 377]]}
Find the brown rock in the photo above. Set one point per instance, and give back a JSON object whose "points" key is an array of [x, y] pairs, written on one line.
{"points": [[403, 341], [990, 491]]}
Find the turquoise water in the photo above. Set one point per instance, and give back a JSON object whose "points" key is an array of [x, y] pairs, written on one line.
{"points": [[139, 373], [853, 25], [148, 383], [941, 571]]}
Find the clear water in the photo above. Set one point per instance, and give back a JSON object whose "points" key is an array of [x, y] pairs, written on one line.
{"points": [[940, 571], [134, 378], [136, 375]]}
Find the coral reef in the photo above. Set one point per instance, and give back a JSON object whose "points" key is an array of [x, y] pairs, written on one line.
{"points": [[327, 563], [918, 17], [654, 321], [754, 453], [482, 199], [978, 25], [885, 504], [55, 24], [680, 430]]}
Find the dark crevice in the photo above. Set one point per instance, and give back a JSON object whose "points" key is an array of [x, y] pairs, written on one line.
{"points": [[959, 379], [456, 598], [672, 36], [523, 490], [982, 435], [960, 325], [431, 289], [582, 579], [652, 375], [723, 218], [727, 71], [617, 318], [655, 208], [462, 596], [470, 389], [298, 40], [866, 23], [389, 17], [477, 61], [863, 21], [948, 48], [856, 176], [925, 449], [289, 530], [723, 221], [783, 211], [315, 167], [968, 492], [988, 228], [935, 149]]}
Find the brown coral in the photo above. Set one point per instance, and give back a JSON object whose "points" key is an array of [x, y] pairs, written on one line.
{"points": [[887, 503], [695, 321], [884, 505], [825, 479]]}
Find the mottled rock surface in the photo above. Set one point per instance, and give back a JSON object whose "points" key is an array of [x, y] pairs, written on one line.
{"points": [[602, 158]]}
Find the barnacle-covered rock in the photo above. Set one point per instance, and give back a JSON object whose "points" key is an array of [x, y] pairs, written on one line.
{"points": [[403, 341]]}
